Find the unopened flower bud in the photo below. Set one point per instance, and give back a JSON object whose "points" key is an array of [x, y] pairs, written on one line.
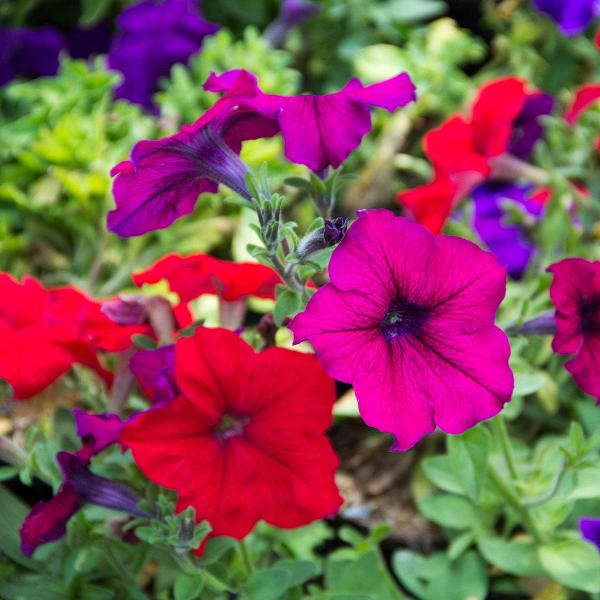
{"points": [[330, 234]]}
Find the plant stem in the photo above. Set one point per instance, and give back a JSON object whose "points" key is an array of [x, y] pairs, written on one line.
{"points": [[188, 567], [246, 558], [501, 432], [513, 500]]}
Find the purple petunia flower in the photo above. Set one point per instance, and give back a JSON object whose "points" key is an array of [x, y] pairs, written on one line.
{"points": [[97, 432], [84, 42], [154, 36], [292, 13], [155, 372], [317, 131], [590, 530], [408, 320], [164, 178], [527, 128], [507, 241], [572, 16], [47, 521], [29, 53]]}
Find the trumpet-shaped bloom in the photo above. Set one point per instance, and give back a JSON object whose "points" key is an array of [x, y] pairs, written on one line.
{"points": [[575, 293], [572, 16], [505, 118], [506, 233], [97, 432], [245, 440], [317, 131], [408, 319], [153, 37], [155, 372], [192, 276], [29, 53], [585, 96], [164, 178], [44, 331], [47, 521]]}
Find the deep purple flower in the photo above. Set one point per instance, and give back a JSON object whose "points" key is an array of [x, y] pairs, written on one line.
{"points": [[292, 13], [155, 372], [508, 241], [97, 432], [527, 128], [153, 37], [590, 530], [29, 53], [164, 178], [47, 521], [408, 320], [317, 131], [572, 16]]}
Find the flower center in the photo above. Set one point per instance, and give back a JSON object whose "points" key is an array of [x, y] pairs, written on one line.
{"points": [[403, 318], [590, 315], [230, 425]]}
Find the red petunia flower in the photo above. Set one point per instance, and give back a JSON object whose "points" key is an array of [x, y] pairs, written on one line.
{"points": [[43, 332], [584, 97], [575, 293], [245, 439], [193, 276], [504, 119]]}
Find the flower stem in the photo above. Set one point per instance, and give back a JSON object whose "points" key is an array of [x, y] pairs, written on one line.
{"points": [[11, 454], [513, 500], [188, 567], [246, 557], [501, 432]]}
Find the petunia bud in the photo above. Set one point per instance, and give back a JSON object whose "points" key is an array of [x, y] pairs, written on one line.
{"points": [[330, 234]]}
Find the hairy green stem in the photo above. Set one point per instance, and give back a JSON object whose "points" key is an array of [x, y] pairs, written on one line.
{"points": [[499, 427], [188, 567], [246, 557], [513, 500]]}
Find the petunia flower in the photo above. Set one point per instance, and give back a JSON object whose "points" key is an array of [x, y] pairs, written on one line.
{"points": [[29, 53], [193, 276], [245, 440], [97, 432], [503, 127], [584, 97], [408, 320], [508, 241], [590, 530], [317, 131], [292, 13], [153, 37], [47, 521], [164, 178], [575, 293], [572, 16], [155, 372], [44, 331]]}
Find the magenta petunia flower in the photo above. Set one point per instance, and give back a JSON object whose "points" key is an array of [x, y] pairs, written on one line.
{"points": [[317, 131], [575, 293], [164, 178], [408, 319]]}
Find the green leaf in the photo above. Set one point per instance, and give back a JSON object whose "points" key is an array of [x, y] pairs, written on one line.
{"points": [[449, 510], [516, 558], [528, 383], [12, 515], [439, 472], [299, 571], [268, 584], [288, 304], [468, 456], [459, 544], [363, 575], [573, 563], [216, 548], [188, 587]]}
